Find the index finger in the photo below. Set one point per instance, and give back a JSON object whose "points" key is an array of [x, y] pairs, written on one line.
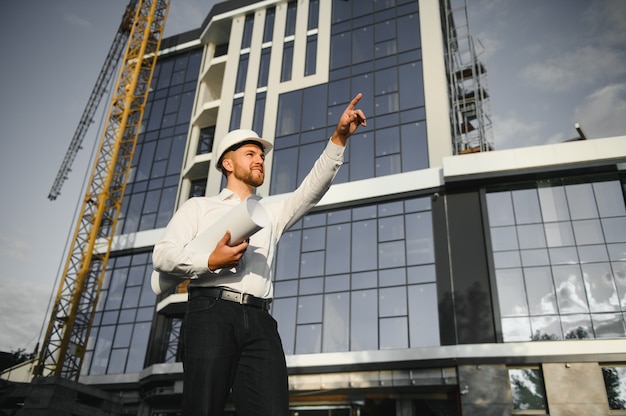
{"points": [[355, 101]]}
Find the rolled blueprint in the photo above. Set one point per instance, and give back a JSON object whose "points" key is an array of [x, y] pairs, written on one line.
{"points": [[242, 221]]}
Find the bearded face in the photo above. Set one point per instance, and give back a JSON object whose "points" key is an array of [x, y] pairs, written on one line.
{"points": [[246, 164]]}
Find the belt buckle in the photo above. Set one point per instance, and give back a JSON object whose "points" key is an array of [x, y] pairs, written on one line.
{"points": [[241, 298]]}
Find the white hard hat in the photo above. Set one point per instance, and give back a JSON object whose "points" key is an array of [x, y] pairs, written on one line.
{"points": [[236, 137]]}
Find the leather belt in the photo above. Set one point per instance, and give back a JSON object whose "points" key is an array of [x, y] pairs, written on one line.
{"points": [[230, 295]]}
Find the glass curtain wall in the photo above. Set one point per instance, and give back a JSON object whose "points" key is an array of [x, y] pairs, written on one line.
{"points": [[361, 278], [388, 74], [559, 252]]}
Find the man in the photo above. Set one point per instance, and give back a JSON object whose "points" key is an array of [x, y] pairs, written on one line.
{"points": [[230, 339]]}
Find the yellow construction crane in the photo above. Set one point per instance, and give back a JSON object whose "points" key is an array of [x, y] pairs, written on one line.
{"points": [[72, 315]]}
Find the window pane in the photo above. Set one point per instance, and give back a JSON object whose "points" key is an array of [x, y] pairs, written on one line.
{"points": [[264, 68], [284, 171], [408, 32], [516, 329], [308, 339], [577, 326], [531, 236], [364, 330], [392, 301], [588, 232], [338, 249], [614, 379], [391, 254], [288, 256], [312, 264], [546, 328], [510, 285], [614, 229], [553, 204], [526, 203], [285, 74], [559, 234], [268, 29], [284, 311], [506, 259], [527, 389], [423, 316], [394, 333], [412, 92], [310, 63], [610, 198], [540, 290], [336, 322], [242, 73], [309, 309], [609, 325], [500, 207], [504, 238], [419, 238], [117, 361], [601, 290], [364, 246], [570, 289], [339, 45], [581, 201], [137, 352]]}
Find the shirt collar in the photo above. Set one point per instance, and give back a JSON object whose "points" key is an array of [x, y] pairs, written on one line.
{"points": [[227, 194]]}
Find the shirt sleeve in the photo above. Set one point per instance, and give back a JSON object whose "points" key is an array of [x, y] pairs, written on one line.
{"points": [[313, 187], [169, 254]]}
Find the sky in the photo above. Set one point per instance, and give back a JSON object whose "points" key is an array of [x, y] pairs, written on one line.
{"points": [[550, 64]]}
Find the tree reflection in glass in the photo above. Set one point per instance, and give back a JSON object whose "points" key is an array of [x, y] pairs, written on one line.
{"points": [[527, 389]]}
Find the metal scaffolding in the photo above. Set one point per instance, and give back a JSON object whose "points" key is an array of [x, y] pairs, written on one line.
{"points": [[470, 111]]}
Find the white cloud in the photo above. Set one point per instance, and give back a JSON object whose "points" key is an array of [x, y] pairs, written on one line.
{"points": [[75, 20], [14, 251], [512, 131], [582, 67], [22, 313], [606, 20], [602, 112]]}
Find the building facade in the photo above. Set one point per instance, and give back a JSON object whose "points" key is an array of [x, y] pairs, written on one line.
{"points": [[427, 281]]}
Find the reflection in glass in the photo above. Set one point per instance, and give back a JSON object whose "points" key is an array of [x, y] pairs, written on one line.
{"points": [[608, 325], [601, 290], [504, 238], [510, 284], [308, 339], [527, 389], [393, 333], [570, 241], [553, 204], [546, 328], [581, 201], [570, 290], [500, 208], [540, 290], [609, 198], [516, 329], [577, 326], [526, 206], [615, 383], [336, 322]]}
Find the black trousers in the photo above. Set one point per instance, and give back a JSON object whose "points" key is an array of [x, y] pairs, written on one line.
{"points": [[232, 346]]}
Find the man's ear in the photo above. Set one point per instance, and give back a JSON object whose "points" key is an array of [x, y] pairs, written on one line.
{"points": [[227, 165]]}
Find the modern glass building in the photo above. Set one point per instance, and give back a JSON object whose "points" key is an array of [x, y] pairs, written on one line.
{"points": [[432, 279]]}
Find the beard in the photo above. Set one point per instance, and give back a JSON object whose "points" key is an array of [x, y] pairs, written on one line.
{"points": [[250, 177]]}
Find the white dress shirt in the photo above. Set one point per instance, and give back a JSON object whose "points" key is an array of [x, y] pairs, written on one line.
{"points": [[253, 275]]}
